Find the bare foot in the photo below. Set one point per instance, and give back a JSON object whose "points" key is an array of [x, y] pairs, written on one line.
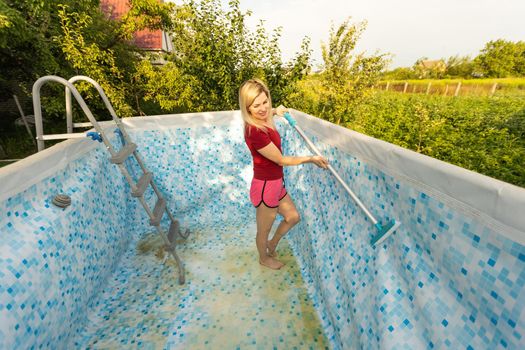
{"points": [[271, 263], [270, 248]]}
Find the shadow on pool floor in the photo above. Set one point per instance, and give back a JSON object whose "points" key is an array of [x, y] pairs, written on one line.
{"points": [[229, 301]]}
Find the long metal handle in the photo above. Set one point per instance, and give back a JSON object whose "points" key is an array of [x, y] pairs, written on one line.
{"points": [[69, 107], [38, 109], [109, 106], [314, 149]]}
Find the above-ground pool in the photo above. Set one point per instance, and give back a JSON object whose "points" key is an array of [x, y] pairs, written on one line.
{"points": [[94, 275]]}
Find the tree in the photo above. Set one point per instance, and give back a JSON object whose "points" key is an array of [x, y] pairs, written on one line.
{"points": [[400, 73], [65, 38], [459, 67], [26, 50], [88, 58], [502, 58], [347, 77], [214, 53], [102, 49], [146, 14]]}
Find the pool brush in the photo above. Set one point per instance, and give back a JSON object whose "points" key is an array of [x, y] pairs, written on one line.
{"points": [[383, 231]]}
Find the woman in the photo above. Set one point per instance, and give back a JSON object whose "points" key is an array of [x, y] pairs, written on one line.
{"points": [[267, 192]]}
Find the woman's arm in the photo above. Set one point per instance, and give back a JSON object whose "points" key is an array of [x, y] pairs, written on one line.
{"points": [[272, 153]]}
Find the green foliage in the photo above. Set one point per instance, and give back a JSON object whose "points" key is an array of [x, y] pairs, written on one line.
{"points": [[66, 38], [25, 52], [214, 53], [462, 67], [453, 67], [4, 22], [498, 59], [101, 49], [501, 58], [486, 135], [472, 87], [347, 77], [168, 87], [400, 73], [88, 58], [146, 14], [480, 134]]}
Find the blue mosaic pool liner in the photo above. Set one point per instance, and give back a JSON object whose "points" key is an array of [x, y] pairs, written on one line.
{"points": [[54, 261], [444, 280]]}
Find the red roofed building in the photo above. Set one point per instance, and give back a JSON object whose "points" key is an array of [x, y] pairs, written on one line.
{"points": [[157, 40]]}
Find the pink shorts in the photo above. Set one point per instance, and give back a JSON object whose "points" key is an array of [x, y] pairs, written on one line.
{"points": [[269, 192]]}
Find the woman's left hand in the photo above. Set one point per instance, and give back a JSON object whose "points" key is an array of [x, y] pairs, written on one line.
{"points": [[280, 110], [321, 162]]}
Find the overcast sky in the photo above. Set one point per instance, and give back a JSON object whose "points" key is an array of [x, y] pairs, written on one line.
{"points": [[408, 29]]}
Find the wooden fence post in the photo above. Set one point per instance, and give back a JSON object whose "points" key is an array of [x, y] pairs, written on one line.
{"points": [[405, 88], [458, 87], [387, 85], [493, 89], [428, 87]]}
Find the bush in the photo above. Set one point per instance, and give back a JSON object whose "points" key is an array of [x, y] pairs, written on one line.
{"points": [[477, 133]]}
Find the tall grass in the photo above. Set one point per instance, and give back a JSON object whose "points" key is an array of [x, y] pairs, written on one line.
{"points": [[476, 87]]}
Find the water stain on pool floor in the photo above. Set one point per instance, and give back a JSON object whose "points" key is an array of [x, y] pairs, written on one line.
{"points": [[229, 301]]}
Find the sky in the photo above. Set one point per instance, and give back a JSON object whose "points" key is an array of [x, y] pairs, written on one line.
{"points": [[407, 29]]}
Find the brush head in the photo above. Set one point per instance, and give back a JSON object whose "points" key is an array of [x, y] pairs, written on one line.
{"points": [[384, 232]]}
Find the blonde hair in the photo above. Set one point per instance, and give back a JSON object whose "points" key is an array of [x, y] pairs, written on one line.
{"points": [[248, 92]]}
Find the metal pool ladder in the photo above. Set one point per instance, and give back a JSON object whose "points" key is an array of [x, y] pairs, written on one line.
{"points": [[116, 157]]}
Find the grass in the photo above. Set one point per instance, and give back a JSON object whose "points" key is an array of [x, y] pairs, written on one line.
{"points": [[470, 87], [511, 82]]}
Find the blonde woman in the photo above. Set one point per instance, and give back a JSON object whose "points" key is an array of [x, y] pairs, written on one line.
{"points": [[267, 191]]}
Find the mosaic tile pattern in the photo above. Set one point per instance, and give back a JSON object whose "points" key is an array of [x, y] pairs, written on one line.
{"points": [[445, 280], [229, 301], [202, 183], [54, 261]]}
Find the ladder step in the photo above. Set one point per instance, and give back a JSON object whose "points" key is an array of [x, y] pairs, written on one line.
{"points": [[174, 231], [124, 153], [160, 207], [82, 125], [142, 184]]}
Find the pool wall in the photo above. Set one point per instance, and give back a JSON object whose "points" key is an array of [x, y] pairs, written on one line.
{"points": [[451, 277], [53, 262]]}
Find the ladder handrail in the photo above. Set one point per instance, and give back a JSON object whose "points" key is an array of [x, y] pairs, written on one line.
{"points": [[69, 107], [128, 149], [37, 106], [109, 106]]}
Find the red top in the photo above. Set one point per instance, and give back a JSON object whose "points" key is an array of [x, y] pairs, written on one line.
{"points": [[263, 168]]}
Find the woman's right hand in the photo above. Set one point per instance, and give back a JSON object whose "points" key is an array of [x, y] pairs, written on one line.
{"points": [[280, 110], [321, 162]]}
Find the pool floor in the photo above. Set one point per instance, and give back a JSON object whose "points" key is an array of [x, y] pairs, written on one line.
{"points": [[229, 301]]}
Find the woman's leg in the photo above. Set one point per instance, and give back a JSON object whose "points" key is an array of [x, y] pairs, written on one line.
{"points": [[290, 219], [265, 218]]}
